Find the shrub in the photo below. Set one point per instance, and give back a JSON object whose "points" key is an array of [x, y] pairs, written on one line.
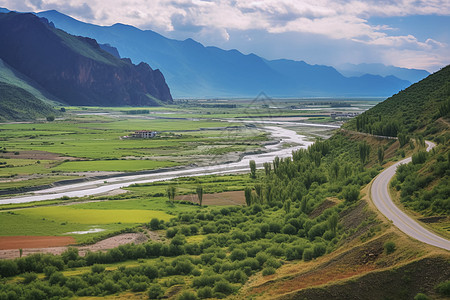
{"points": [[97, 268], [268, 271], [223, 287], [155, 291], [154, 224], [421, 296], [389, 247], [29, 277], [289, 229], [187, 295], [308, 254], [238, 254], [8, 268], [205, 292], [443, 288], [138, 286], [350, 193]]}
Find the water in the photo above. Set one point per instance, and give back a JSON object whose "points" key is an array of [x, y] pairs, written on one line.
{"points": [[99, 186]]}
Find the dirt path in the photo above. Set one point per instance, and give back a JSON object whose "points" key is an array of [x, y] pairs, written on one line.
{"points": [[25, 242]]}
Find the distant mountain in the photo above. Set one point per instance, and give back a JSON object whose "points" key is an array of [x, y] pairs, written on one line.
{"points": [[193, 70], [18, 104], [75, 69], [412, 75]]}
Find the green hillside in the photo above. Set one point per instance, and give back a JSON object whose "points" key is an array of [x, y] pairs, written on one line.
{"points": [[18, 104], [411, 110], [10, 76]]}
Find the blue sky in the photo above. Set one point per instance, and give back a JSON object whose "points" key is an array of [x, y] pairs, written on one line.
{"points": [[405, 33]]}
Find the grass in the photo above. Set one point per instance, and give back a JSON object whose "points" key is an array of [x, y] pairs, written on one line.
{"points": [[113, 165], [33, 182], [73, 214]]}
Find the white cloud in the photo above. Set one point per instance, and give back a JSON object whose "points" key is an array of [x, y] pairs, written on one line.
{"points": [[212, 20]]}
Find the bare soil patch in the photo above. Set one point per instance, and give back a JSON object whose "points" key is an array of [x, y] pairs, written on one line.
{"points": [[21, 242], [37, 154], [25, 242], [329, 202], [225, 198]]}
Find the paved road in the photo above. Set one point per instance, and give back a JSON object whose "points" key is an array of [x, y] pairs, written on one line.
{"points": [[382, 200]]}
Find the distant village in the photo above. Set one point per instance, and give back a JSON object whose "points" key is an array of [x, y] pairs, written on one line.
{"points": [[141, 134]]}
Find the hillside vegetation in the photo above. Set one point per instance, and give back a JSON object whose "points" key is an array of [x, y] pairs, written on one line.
{"points": [[411, 110], [18, 104]]}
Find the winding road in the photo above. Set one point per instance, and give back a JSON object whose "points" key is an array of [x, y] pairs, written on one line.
{"points": [[380, 196]]}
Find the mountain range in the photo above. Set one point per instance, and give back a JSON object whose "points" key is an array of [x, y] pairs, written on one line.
{"points": [[412, 75], [193, 70], [74, 70]]}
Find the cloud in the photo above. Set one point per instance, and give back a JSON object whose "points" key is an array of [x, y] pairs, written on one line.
{"points": [[211, 21]]}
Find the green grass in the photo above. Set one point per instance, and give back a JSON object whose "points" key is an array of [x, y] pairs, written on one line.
{"points": [[73, 214], [33, 182], [113, 165]]}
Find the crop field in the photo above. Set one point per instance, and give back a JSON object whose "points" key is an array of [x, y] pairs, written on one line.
{"points": [[107, 165], [111, 213]]}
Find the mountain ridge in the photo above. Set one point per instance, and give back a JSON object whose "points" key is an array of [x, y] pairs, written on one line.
{"points": [[74, 68], [193, 70]]}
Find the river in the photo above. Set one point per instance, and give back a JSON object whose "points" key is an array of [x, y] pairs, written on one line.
{"points": [[88, 188]]}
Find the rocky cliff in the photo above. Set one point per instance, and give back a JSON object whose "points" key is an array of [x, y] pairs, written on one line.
{"points": [[75, 69]]}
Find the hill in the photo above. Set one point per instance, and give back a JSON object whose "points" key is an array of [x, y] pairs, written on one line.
{"points": [[193, 70], [17, 104], [412, 110], [75, 69], [13, 77], [412, 75]]}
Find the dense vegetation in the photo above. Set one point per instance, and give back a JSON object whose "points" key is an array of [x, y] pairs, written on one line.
{"points": [[226, 245], [424, 184], [17, 104], [410, 110]]}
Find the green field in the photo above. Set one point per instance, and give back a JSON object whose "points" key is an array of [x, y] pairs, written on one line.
{"points": [[113, 165]]}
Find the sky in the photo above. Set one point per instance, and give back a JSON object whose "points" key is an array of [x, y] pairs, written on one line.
{"points": [[403, 33]]}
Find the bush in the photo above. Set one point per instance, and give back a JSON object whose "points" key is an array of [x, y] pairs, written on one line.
{"points": [[389, 247], [154, 224], [268, 271], [29, 277], [421, 296], [97, 268], [350, 193], [308, 254], [51, 118], [443, 288], [205, 292], [8, 268], [223, 287], [238, 254], [155, 291], [187, 295]]}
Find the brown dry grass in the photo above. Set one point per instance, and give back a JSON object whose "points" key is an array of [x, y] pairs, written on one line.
{"points": [[224, 198]]}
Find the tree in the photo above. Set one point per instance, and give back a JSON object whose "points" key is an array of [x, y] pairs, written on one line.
{"points": [[171, 191], [267, 168], [403, 139], [252, 169], [364, 151], [334, 171], [351, 193], [287, 205], [380, 155], [258, 189], [199, 191], [248, 196], [51, 118], [332, 222]]}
